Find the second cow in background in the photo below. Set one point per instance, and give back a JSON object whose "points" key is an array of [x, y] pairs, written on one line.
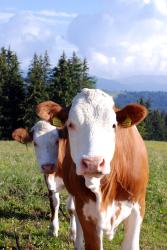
{"points": [[45, 138]]}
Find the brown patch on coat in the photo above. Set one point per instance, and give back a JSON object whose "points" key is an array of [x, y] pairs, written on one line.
{"points": [[129, 168]]}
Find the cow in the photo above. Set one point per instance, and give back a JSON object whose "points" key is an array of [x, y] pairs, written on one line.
{"points": [[105, 166], [45, 138]]}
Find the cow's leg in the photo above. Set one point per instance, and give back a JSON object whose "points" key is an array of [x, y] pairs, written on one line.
{"points": [[132, 229], [92, 235], [71, 210], [54, 185], [54, 206], [79, 244]]}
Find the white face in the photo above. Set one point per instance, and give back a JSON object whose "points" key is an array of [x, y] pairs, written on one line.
{"points": [[45, 138], [91, 126]]}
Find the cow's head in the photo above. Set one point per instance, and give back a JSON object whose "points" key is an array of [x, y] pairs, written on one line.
{"points": [[92, 121], [45, 138]]}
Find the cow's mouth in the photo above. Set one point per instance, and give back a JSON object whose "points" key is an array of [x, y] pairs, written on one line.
{"points": [[48, 168], [93, 182], [97, 174], [90, 174]]}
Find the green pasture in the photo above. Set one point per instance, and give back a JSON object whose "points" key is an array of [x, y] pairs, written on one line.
{"points": [[24, 206]]}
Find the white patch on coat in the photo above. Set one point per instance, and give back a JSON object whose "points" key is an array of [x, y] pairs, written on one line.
{"points": [[54, 183], [132, 229], [91, 211], [79, 242], [92, 132], [54, 227], [71, 209], [108, 220], [93, 184], [45, 137]]}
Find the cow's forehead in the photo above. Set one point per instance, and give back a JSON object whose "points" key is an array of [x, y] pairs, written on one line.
{"points": [[43, 127], [93, 96], [92, 103]]}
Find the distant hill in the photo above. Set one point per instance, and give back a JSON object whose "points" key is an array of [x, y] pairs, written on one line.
{"points": [[134, 83], [109, 85], [158, 100]]}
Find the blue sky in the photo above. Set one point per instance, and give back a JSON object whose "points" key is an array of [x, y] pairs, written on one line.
{"points": [[119, 38], [78, 6]]}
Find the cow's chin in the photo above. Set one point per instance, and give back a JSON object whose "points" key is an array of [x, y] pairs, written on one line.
{"points": [[47, 172], [93, 174], [96, 174], [93, 183], [92, 180]]}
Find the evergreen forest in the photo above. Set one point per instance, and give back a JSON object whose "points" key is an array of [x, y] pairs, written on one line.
{"points": [[20, 92]]}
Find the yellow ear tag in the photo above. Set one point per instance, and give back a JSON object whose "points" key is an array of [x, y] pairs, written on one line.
{"points": [[57, 122], [127, 122]]}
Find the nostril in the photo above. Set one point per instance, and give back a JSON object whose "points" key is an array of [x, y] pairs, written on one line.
{"points": [[84, 163], [102, 163]]}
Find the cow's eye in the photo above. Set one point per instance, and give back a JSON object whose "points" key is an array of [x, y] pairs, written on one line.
{"points": [[71, 125], [35, 144], [57, 142], [114, 125]]}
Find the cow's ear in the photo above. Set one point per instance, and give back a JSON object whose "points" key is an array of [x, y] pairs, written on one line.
{"points": [[52, 112], [22, 135], [130, 115]]}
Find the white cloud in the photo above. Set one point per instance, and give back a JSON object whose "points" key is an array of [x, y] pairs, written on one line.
{"points": [[50, 13], [161, 6], [5, 16], [27, 32], [130, 37], [121, 43]]}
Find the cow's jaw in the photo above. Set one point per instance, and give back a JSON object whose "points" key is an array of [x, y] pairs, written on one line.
{"points": [[91, 126], [45, 137], [93, 183]]}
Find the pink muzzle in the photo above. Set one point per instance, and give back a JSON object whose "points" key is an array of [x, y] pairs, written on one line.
{"points": [[48, 168], [93, 165]]}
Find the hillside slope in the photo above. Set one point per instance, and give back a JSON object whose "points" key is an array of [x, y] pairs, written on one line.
{"points": [[158, 100]]}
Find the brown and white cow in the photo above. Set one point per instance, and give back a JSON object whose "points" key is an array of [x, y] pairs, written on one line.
{"points": [[45, 138], [105, 167]]}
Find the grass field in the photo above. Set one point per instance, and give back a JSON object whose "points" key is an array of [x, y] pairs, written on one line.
{"points": [[24, 206]]}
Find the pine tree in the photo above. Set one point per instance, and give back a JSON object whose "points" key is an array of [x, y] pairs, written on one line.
{"points": [[46, 67], [158, 131], [61, 84], [154, 127], [75, 68], [3, 79], [79, 74], [145, 126], [37, 81], [86, 80], [68, 78], [12, 93]]}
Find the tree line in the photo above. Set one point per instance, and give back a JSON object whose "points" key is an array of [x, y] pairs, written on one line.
{"points": [[20, 93], [154, 127], [158, 99]]}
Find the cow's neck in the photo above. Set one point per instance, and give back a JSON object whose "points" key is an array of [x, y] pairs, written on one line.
{"points": [[104, 189], [94, 184]]}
